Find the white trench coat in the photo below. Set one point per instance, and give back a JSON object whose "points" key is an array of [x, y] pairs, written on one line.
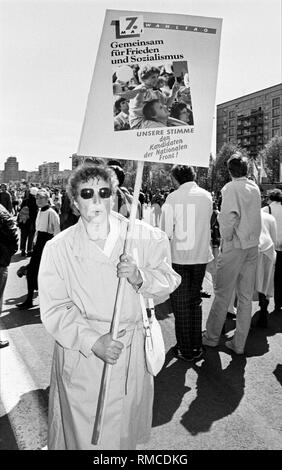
{"points": [[77, 290]]}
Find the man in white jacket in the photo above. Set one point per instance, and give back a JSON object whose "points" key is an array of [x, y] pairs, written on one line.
{"points": [[185, 218], [240, 226]]}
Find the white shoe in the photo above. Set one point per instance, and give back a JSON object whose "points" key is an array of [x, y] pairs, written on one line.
{"points": [[231, 346]]}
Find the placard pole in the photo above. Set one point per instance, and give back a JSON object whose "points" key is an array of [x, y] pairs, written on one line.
{"points": [[106, 376]]}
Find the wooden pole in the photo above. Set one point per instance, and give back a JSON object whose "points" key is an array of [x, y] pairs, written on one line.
{"points": [[106, 376]]}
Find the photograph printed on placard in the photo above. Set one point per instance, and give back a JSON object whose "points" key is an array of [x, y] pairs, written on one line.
{"points": [[147, 96]]}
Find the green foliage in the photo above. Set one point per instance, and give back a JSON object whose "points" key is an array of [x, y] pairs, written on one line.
{"points": [[271, 156]]}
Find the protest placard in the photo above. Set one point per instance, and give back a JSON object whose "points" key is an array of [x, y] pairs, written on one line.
{"points": [[152, 95]]}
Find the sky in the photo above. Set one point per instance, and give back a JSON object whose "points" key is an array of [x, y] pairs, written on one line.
{"points": [[47, 57]]}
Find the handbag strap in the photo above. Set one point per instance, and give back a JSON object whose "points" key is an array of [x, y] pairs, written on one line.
{"points": [[146, 322]]}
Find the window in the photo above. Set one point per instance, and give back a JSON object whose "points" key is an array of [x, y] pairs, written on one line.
{"points": [[275, 122], [231, 114], [231, 122], [231, 131], [266, 137], [276, 101], [266, 127], [224, 135], [275, 132], [275, 112]]}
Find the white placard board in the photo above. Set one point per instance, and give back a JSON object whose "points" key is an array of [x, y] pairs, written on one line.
{"points": [[152, 95]]}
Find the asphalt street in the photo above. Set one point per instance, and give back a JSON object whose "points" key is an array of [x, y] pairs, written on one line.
{"points": [[222, 402]]}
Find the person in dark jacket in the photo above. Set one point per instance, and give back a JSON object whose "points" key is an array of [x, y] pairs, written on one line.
{"points": [[5, 198], [8, 246], [27, 224], [69, 214]]}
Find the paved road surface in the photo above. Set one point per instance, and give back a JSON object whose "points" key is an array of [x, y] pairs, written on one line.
{"points": [[223, 402]]}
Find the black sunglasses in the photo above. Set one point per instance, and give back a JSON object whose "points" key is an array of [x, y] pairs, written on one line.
{"points": [[88, 193]]}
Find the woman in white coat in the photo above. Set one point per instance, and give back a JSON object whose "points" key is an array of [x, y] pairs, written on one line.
{"points": [[78, 281], [264, 286], [47, 225]]}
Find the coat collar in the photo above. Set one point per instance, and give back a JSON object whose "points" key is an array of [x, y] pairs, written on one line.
{"points": [[85, 248]]}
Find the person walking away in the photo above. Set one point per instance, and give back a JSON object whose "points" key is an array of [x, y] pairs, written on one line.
{"points": [[264, 286], [47, 226], [240, 227], [275, 209], [8, 246], [26, 221], [185, 218]]}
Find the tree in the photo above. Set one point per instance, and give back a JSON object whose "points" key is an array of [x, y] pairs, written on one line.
{"points": [[211, 173], [271, 157]]}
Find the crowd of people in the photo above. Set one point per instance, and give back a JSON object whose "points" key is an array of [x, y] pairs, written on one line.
{"points": [[75, 240], [153, 97]]}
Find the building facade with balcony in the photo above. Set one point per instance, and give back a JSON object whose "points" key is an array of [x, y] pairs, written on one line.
{"points": [[48, 172], [250, 121], [11, 170], [33, 177]]}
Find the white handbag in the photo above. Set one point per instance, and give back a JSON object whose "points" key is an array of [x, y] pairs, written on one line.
{"points": [[154, 343]]}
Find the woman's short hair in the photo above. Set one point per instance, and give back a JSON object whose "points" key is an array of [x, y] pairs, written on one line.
{"points": [[183, 173], [86, 172], [238, 165]]}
